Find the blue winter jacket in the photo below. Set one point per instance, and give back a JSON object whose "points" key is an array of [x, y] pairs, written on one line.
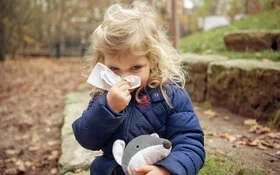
{"points": [[99, 127]]}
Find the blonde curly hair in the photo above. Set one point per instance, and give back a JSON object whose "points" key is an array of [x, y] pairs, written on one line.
{"points": [[135, 29]]}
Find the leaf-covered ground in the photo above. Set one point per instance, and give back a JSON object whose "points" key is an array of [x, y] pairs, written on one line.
{"points": [[31, 107]]}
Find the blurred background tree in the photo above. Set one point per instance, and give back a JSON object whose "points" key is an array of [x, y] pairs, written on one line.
{"points": [[34, 26]]}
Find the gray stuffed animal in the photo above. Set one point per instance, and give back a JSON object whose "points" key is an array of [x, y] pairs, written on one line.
{"points": [[142, 150]]}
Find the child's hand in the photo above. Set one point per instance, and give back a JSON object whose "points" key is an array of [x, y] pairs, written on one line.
{"points": [[119, 96], [152, 170]]}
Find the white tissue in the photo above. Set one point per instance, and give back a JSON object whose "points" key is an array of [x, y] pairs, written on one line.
{"points": [[104, 78]]}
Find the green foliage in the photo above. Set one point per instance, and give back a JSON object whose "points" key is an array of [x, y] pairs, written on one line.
{"points": [[220, 164], [267, 54], [274, 121], [212, 41]]}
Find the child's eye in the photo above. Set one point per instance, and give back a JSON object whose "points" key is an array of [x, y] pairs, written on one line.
{"points": [[136, 67], [114, 69]]}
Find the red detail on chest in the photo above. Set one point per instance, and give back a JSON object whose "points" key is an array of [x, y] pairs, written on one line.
{"points": [[144, 102]]}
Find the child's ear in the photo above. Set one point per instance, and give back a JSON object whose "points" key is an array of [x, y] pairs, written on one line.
{"points": [[118, 150], [155, 135]]}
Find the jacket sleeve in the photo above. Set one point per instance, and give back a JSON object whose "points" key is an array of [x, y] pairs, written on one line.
{"points": [[97, 124], [187, 138]]}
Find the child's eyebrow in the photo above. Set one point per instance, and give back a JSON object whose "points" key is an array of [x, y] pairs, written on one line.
{"points": [[112, 66]]}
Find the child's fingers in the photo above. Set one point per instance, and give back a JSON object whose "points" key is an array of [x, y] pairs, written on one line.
{"points": [[128, 98], [127, 92], [144, 169], [124, 88], [121, 83]]}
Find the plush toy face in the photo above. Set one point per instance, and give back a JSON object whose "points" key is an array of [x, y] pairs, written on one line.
{"points": [[142, 150]]}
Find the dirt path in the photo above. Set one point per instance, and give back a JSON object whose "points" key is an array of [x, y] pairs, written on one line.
{"points": [[226, 133]]}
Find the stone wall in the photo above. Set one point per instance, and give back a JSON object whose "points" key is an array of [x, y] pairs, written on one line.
{"points": [[247, 87], [255, 40], [196, 66]]}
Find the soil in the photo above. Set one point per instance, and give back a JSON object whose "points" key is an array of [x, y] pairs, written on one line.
{"points": [[32, 99]]}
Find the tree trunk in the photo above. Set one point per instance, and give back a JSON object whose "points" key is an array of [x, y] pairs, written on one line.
{"points": [[173, 24], [2, 48], [246, 7]]}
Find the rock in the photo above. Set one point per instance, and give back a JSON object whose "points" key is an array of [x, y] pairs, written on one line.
{"points": [[73, 155], [247, 87], [196, 80], [254, 40]]}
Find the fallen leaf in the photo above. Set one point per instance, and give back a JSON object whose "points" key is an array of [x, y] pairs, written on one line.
{"points": [[226, 118], [52, 142], [54, 171], [12, 151], [33, 148], [229, 138], [250, 122], [28, 164], [220, 151], [262, 147], [210, 113], [258, 129], [249, 143], [238, 144], [20, 165]]}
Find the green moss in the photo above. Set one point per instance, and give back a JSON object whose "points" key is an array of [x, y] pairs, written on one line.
{"points": [[220, 164], [274, 121]]}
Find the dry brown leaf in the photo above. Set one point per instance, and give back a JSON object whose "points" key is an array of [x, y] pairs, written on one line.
{"points": [[250, 122], [258, 129], [226, 118], [20, 165], [262, 147], [54, 171], [275, 135], [237, 144], [230, 138], [12, 151], [249, 143], [220, 151], [210, 113]]}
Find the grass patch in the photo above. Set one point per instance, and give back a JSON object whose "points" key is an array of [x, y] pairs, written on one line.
{"points": [[220, 164], [267, 54], [274, 121], [211, 42]]}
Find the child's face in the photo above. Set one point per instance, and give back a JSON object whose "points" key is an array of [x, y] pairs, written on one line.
{"points": [[128, 64]]}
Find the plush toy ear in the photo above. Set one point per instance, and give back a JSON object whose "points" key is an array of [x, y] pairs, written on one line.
{"points": [[155, 135], [118, 150]]}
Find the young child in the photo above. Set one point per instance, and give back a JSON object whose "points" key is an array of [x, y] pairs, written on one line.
{"points": [[130, 43]]}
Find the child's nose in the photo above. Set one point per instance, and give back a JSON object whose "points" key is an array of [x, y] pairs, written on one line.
{"points": [[124, 74]]}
